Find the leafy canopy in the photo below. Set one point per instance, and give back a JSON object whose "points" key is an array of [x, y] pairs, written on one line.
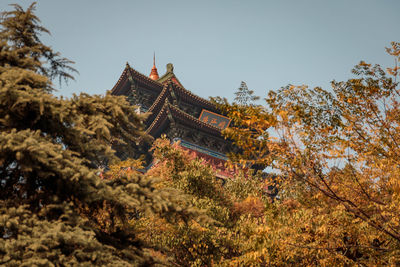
{"points": [[336, 153], [54, 208]]}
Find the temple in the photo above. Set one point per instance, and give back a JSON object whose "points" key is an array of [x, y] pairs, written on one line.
{"points": [[182, 116]]}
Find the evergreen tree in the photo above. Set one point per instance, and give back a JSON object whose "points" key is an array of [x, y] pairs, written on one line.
{"points": [[244, 96], [53, 205], [21, 46]]}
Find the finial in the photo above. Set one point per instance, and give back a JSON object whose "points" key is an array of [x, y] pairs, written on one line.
{"points": [[154, 74], [127, 64]]}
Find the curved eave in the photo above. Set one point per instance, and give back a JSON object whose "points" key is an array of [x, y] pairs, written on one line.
{"points": [[180, 116], [145, 80], [190, 97], [185, 95], [194, 121], [159, 102], [118, 86]]}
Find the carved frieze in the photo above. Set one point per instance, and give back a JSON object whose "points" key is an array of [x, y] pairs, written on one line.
{"points": [[190, 109], [140, 97]]}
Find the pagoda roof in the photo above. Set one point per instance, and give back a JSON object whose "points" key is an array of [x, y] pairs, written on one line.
{"points": [[137, 76], [171, 113], [188, 95], [168, 90], [121, 80], [159, 103], [172, 88], [160, 85], [170, 78], [144, 79]]}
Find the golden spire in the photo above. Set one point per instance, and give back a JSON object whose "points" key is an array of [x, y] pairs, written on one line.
{"points": [[154, 74]]}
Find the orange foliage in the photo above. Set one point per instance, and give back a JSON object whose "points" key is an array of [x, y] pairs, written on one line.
{"points": [[251, 205]]}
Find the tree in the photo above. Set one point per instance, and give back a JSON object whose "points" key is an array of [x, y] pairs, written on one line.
{"points": [[336, 154], [244, 96], [220, 236], [22, 48], [54, 208]]}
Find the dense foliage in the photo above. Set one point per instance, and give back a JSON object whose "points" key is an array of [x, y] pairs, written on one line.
{"points": [[230, 211], [334, 153], [52, 198]]}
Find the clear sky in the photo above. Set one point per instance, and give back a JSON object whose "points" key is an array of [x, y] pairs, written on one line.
{"points": [[214, 45]]}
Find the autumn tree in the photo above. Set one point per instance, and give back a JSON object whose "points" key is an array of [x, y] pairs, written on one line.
{"points": [[336, 154], [218, 238]]}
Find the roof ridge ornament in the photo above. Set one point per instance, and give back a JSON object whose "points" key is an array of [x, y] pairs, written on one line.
{"points": [[154, 74], [170, 68]]}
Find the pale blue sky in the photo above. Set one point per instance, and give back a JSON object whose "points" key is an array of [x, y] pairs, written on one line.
{"points": [[216, 44]]}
